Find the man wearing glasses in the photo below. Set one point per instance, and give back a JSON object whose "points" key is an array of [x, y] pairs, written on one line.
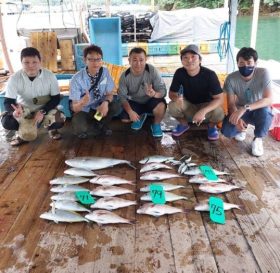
{"points": [[91, 96]]}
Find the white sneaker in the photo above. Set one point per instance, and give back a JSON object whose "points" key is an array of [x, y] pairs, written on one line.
{"points": [[241, 136], [257, 147]]}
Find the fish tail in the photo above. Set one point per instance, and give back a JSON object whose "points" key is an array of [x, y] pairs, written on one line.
{"points": [[131, 165]]}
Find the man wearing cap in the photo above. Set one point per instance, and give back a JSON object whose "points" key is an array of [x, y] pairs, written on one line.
{"points": [[195, 94]]}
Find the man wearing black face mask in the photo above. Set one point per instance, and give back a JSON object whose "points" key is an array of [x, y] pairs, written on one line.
{"points": [[249, 98]]}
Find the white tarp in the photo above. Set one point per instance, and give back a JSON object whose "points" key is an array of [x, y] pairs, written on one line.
{"points": [[197, 24]]}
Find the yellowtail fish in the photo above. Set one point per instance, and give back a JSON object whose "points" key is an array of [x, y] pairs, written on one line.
{"points": [[154, 166], [156, 159], [70, 196], [106, 217], [67, 188], [155, 175], [158, 210], [111, 203], [204, 206], [201, 179], [68, 179], [217, 187], [109, 180], [169, 197], [166, 187], [68, 205], [79, 172], [95, 163], [63, 216], [109, 191]]}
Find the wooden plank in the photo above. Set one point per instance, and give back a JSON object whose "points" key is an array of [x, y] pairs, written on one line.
{"points": [[52, 51], [153, 248], [190, 242], [66, 51], [258, 221]]}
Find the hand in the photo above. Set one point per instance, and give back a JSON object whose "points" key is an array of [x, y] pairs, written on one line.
{"points": [[199, 117], [235, 116], [39, 116], [241, 125], [103, 108], [149, 90], [85, 99], [18, 110], [133, 116]]}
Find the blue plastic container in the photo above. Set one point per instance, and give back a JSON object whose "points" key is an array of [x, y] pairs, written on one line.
{"points": [[106, 33]]}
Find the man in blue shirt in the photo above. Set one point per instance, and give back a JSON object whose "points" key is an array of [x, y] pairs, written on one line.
{"points": [[91, 96]]}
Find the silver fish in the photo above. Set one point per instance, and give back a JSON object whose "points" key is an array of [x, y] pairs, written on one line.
{"points": [[196, 171], [158, 210], [68, 179], [67, 188], [111, 203], [186, 166], [204, 206], [155, 175], [201, 179], [63, 216], [156, 159], [217, 187], [70, 196], [95, 163], [109, 180], [169, 197], [79, 172], [109, 191], [68, 205], [166, 187], [154, 166], [106, 217]]}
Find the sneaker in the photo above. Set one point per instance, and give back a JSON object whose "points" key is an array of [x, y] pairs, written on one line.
{"points": [[156, 130], [257, 147], [240, 136], [180, 129], [137, 125], [213, 133]]}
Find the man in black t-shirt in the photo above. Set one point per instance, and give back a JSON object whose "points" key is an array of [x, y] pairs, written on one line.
{"points": [[195, 94]]}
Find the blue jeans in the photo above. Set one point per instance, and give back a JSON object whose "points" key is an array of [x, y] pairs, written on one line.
{"points": [[260, 118]]}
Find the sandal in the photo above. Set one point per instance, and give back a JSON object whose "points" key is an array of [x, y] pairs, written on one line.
{"points": [[17, 141], [54, 134]]}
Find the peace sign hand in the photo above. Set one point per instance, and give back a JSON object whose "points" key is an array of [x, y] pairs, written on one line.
{"points": [[18, 110]]}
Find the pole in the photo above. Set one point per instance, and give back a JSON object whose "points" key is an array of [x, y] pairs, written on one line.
{"points": [[153, 5], [4, 46], [255, 23], [232, 18], [108, 8]]}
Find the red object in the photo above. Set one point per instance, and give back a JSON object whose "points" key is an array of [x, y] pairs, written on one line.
{"points": [[275, 132]]}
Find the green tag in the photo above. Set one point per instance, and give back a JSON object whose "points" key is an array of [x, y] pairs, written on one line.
{"points": [[157, 194], [84, 197], [217, 213], [208, 172]]}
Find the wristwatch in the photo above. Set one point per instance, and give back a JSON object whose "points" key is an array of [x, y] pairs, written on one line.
{"points": [[247, 107], [43, 112]]}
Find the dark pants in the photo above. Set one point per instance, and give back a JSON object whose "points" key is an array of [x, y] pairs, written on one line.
{"points": [[141, 108], [10, 123], [84, 122], [260, 118]]}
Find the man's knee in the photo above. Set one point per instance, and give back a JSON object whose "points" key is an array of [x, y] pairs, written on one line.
{"points": [[217, 115], [9, 122], [174, 110]]}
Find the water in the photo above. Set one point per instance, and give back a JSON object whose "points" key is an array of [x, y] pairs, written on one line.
{"points": [[268, 36]]}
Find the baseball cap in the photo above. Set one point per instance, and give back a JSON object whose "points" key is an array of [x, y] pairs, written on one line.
{"points": [[190, 48]]}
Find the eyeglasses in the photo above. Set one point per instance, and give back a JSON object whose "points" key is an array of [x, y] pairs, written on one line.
{"points": [[93, 60]]}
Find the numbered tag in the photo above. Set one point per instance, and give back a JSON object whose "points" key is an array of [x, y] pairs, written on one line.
{"points": [[217, 213], [157, 194], [208, 172], [84, 197], [98, 116]]}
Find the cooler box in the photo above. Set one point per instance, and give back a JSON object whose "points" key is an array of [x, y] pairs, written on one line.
{"points": [[275, 131]]}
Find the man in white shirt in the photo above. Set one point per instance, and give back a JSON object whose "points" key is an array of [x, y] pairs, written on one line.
{"points": [[31, 97]]}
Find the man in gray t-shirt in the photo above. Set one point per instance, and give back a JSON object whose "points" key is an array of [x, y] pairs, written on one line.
{"points": [[249, 98], [142, 92]]}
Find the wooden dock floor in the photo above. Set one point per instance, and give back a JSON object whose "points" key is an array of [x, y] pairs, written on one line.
{"points": [[189, 242]]}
